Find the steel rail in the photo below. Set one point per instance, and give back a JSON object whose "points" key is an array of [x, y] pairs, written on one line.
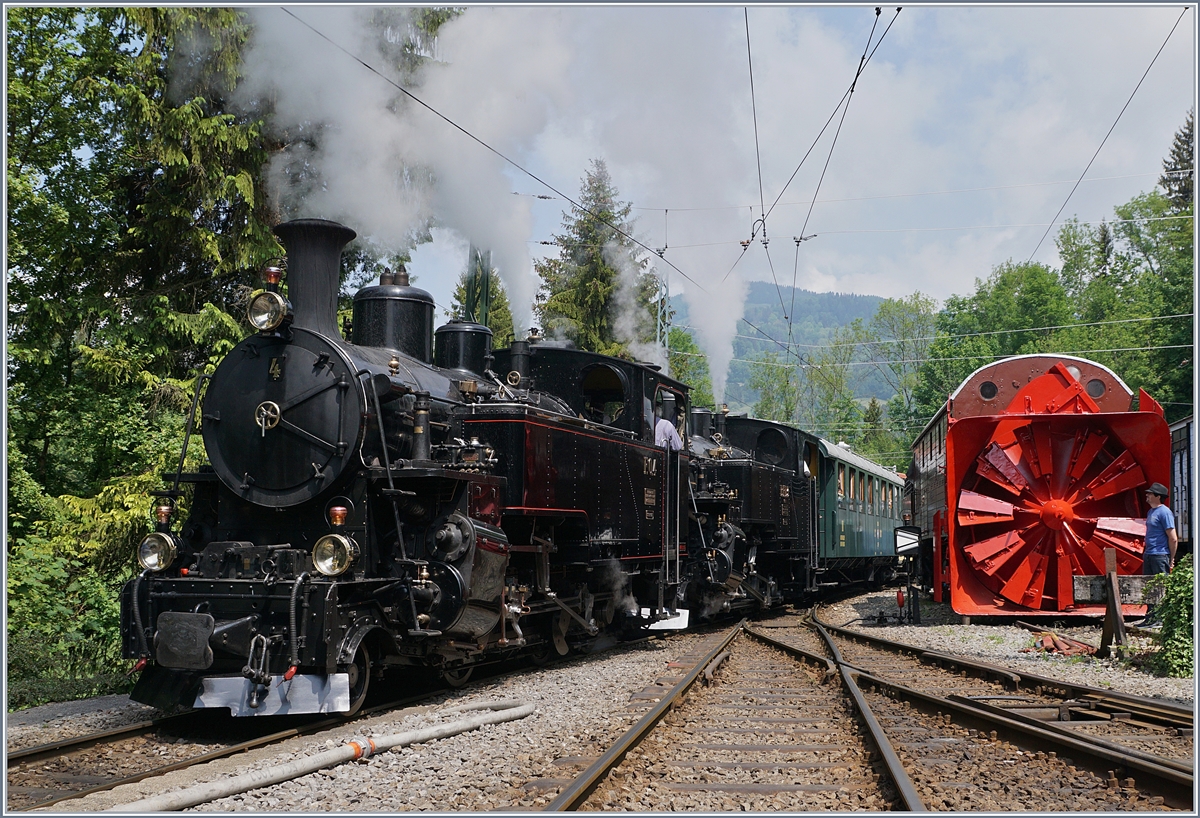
{"points": [[900, 778], [1173, 714], [1175, 786], [586, 782], [224, 752], [67, 745], [1184, 767]]}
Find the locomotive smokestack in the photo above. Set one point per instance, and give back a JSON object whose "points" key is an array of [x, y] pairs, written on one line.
{"points": [[314, 253]]}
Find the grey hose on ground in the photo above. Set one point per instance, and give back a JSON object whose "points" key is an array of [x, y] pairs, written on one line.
{"points": [[354, 749]]}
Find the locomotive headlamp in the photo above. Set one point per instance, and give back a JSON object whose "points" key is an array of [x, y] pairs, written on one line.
{"points": [[267, 311], [157, 551], [334, 554]]}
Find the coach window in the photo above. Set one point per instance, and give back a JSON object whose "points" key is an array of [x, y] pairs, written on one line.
{"points": [[841, 483], [853, 495], [861, 492], [871, 496]]}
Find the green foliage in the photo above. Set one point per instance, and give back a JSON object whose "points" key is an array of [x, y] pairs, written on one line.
{"points": [[689, 365], [597, 293], [1179, 173], [899, 336], [876, 441], [827, 406], [63, 628], [136, 222], [778, 384], [1176, 654]]}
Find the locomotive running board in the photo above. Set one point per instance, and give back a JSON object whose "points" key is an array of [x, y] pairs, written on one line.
{"points": [[303, 694]]}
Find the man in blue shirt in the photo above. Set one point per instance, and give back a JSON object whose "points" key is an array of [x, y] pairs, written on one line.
{"points": [[1158, 557]]}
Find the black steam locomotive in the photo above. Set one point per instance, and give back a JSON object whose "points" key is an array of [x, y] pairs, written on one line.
{"points": [[389, 501]]}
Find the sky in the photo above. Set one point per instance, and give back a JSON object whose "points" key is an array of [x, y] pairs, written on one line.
{"points": [[963, 137]]}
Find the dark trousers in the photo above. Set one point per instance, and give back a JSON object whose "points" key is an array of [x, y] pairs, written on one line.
{"points": [[1155, 563]]}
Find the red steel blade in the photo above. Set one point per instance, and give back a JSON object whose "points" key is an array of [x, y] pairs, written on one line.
{"points": [[977, 509], [1123, 474]]}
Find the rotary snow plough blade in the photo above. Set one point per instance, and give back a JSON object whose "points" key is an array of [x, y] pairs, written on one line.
{"points": [[1035, 497]]}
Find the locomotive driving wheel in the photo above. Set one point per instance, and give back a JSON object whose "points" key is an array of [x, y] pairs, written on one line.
{"points": [[359, 672], [459, 676]]}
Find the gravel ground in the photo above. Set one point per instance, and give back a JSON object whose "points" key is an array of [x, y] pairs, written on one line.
{"points": [[581, 707], [1004, 645], [55, 722]]}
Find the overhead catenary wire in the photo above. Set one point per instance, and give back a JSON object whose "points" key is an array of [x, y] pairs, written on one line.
{"points": [[995, 357], [894, 195], [845, 96], [1110, 130], [828, 158], [726, 243], [754, 115]]}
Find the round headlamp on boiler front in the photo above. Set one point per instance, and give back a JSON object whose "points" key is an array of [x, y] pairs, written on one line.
{"points": [[157, 551], [333, 554], [268, 310]]}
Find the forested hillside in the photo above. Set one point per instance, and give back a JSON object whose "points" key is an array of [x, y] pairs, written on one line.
{"points": [[817, 317]]}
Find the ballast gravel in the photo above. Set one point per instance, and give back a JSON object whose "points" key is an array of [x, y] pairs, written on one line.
{"points": [[581, 706], [1008, 645]]}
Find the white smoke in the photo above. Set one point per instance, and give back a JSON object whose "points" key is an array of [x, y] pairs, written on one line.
{"points": [[631, 320], [550, 88], [357, 150], [714, 315]]}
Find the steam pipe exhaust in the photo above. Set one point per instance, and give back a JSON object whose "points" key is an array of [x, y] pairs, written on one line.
{"points": [[421, 427]]}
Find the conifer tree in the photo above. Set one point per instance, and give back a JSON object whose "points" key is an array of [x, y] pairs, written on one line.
{"points": [[1178, 172], [599, 277]]}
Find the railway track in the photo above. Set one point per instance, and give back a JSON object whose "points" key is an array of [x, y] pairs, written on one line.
{"points": [[1148, 728], [748, 727], [1104, 746], [47, 774], [801, 728]]}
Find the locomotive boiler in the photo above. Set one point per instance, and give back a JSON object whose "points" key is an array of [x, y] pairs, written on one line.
{"points": [[1034, 467]]}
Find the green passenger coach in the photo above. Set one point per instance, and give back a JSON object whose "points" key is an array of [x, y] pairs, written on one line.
{"points": [[858, 507]]}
